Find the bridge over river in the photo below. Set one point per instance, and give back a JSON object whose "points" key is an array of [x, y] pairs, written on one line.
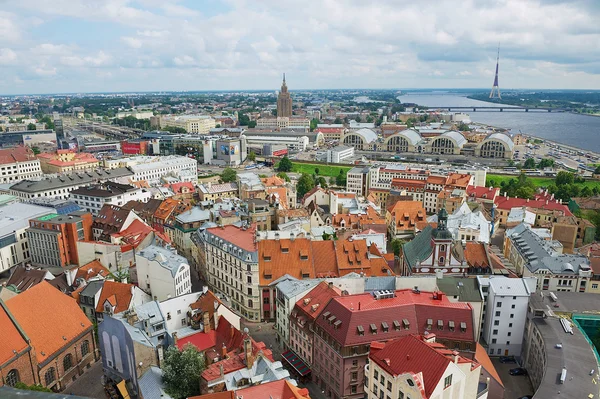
{"points": [[506, 108]]}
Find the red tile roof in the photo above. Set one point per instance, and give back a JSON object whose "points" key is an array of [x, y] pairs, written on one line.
{"points": [[482, 192], [50, 318], [507, 203], [482, 358], [312, 304], [411, 354], [119, 294], [11, 337], [237, 235], [216, 395], [476, 254], [280, 389], [364, 310], [133, 235], [201, 340], [92, 269], [16, 154]]}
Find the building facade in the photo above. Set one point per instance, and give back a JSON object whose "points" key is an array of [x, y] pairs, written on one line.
{"points": [[284, 101]]}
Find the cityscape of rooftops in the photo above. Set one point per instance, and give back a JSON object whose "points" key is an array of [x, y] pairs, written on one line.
{"points": [[233, 199]]}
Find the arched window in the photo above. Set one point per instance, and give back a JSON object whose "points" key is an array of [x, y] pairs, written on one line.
{"points": [[442, 248], [441, 260], [68, 362], [50, 376], [12, 378], [85, 348]]}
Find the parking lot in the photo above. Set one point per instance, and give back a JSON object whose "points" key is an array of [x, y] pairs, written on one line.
{"points": [[514, 386]]}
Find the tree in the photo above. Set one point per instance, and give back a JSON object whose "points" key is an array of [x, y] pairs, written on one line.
{"points": [[284, 176], [38, 388], [305, 184], [35, 150], [586, 191], [31, 126], [529, 163], [321, 182], [173, 129], [369, 119], [564, 178], [358, 119], [285, 165], [252, 156], [228, 175], [316, 171], [463, 127], [546, 163], [243, 119], [313, 124], [396, 245], [340, 179], [597, 171], [181, 371], [338, 121], [252, 124]]}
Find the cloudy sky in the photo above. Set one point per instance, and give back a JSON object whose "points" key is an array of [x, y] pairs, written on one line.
{"points": [[134, 45]]}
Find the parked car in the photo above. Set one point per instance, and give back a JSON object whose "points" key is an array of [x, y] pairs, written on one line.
{"points": [[518, 371], [507, 359]]}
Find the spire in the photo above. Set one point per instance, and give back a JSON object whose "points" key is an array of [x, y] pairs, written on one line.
{"points": [[284, 75], [495, 93]]}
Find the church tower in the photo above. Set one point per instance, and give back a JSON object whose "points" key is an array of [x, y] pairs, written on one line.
{"points": [[441, 239], [284, 101]]}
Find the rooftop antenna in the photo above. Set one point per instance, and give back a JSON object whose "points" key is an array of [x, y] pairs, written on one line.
{"points": [[495, 93]]}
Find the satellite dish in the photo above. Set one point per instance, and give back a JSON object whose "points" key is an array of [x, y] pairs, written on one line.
{"points": [[246, 330]]}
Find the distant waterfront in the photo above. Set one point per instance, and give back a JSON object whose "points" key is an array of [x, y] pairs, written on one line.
{"points": [[563, 127]]}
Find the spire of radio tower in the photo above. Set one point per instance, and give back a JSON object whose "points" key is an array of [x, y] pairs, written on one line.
{"points": [[495, 93]]}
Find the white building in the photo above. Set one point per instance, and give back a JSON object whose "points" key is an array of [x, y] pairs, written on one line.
{"points": [[293, 143], [339, 153], [92, 198], [505, 311], [199, 124], [61, 185], [162, 272], [137, 114], [14, 221], [414, 367], [153, 168], [17, 164], [466, 225], [289, 291]]}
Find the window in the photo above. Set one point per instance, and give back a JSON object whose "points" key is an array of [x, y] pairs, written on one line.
{"points": [[496, 322], [594, 286], [12, 378], [250, 291], [389, 386], [495, 332], [509, 324], [85, 348], [68, 362], [352, 388], [494, 340], [250, 303], [354, 376], [50, 376], [376, 374], [509, 333], [355, 363], [512, 315], [498, 304], [498, 314], [447, 381], [249, 279], [266, 300], [410, 382], [382, 380]]}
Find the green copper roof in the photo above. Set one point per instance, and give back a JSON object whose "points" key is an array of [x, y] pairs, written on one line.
{"points": [[48, 217], [419, 248]]}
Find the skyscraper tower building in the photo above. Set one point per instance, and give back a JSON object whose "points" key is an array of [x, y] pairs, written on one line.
{"points": [[284, 101], [495, 93]]}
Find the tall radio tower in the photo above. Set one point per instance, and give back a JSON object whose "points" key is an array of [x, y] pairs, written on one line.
{"points": [[495, 93]]}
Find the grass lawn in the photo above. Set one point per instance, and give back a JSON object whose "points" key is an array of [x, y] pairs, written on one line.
{"points": [[538, 181], [324, 170]]}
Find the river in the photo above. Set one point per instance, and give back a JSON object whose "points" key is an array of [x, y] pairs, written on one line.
{"points": [[577, 130]]}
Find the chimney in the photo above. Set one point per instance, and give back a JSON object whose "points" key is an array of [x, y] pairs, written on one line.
{"points": [[221, 371], [330, 284], [223, 352], [248, 353], [206, 321], [174, 339], [407, 357], [455, 357]]}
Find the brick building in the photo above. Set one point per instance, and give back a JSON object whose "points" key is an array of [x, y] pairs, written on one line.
{"points": [[50, 338], [348, 324]]}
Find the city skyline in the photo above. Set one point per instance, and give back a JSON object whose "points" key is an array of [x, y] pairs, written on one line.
{"points": [[72, 46]]}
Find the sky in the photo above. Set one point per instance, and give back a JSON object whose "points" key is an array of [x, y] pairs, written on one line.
{"points": [[66, 46]]}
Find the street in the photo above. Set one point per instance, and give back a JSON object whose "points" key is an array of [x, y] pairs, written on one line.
{"points": [[89, 384]]}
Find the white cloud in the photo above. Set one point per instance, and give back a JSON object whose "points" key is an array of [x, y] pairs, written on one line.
{"points": [[132, 42], [7, 56]]}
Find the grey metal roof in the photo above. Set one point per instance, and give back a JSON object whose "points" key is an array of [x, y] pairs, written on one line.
{"points": [[509, 286], [168, 259], [151, 385], [68, 180], [292, 287], [502, 138], [380, 283], [193, 215], [16, 216], [561, 264], [368, 135], [458, 138], [92, 288], [465, 288], [410, 135]]}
